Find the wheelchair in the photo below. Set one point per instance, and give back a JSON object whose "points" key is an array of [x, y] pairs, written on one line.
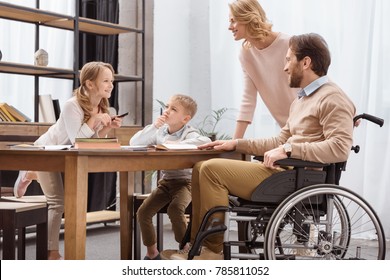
{"points": [[301, 213]]}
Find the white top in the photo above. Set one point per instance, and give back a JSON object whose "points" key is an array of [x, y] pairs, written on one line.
{"points": [[69, 126], [152, 135]]}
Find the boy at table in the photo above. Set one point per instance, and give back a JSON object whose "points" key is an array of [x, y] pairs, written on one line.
{"points": [[174, 187]]}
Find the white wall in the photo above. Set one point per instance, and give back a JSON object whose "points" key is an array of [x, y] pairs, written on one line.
{"points": [[182, 52], [171, 51]]}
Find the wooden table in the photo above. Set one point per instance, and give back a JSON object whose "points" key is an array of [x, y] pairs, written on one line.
{"points": [[75, 164]]}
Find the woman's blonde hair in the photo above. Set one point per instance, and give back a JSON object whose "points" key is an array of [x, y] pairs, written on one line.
{"points": [[90, 71], [250, 13]]}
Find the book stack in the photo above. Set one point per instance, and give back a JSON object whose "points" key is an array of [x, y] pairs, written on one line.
{"points": [[97, 143], [9, 113]]}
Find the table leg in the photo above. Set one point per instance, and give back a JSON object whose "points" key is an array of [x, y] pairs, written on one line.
{"points": [[126, 182], [76, 194]]}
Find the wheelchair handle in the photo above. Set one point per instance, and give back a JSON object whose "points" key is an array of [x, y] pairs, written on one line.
{"points": [[370, 118]]}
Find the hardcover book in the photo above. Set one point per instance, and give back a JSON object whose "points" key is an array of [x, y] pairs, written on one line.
{"points": [[97, 143], [6, 113], [10, 113]]}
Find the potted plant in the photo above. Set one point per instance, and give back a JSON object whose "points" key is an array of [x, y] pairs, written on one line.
{"points": [[209, 125]]}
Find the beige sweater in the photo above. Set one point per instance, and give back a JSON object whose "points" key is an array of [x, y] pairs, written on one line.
{"points": [[264, 75], [320, 128]]}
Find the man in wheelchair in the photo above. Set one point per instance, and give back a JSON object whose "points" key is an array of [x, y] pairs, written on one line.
{"points": [[319, 130]]}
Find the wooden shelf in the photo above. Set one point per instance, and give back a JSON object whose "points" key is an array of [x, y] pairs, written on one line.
{"points": [[51, 72], [78, 25], [31, 15], [44, 71], [27, 132], [102, 216], [91, 26], [26, 14]]}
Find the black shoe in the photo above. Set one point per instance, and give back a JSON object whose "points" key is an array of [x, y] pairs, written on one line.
{"points": [[156, 258]]}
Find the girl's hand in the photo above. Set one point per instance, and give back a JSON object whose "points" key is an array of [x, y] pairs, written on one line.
{"points": [[98, 121], [116, 122]]}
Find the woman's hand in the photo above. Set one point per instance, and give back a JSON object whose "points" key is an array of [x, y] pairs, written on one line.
{"points": [[221, 145]]}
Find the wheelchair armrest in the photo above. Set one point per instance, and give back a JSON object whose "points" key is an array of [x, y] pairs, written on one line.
{"points": [[295, 162]]}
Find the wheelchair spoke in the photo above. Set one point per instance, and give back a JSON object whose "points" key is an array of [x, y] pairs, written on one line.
{"points": [[324, 222]]}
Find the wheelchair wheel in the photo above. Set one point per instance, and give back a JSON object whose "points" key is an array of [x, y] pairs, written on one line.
{"points": [[246, 231], [324, 222]]}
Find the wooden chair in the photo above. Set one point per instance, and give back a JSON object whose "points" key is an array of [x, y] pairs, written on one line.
{"points": [[138, 200], [14, 218]]}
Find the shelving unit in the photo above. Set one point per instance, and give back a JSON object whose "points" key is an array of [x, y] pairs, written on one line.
{"points": [[28, 132], [77, 25]]}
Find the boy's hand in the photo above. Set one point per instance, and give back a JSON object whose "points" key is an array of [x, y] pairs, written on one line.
{"points": [[160, 121], [223, 145]]}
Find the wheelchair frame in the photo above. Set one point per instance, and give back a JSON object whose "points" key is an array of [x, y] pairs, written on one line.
{"points": [[306, 216]]}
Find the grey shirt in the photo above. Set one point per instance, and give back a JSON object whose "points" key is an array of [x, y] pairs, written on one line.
{"points": [[152, 135]]}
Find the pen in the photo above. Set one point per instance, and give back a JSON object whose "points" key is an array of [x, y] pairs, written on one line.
{"points": [[120, 116]]}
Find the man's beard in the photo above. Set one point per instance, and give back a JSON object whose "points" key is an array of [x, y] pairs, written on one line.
{"points": [[296, 79]]}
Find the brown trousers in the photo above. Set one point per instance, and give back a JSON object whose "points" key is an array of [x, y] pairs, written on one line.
{"points": [[175, 192], [213, 180]]}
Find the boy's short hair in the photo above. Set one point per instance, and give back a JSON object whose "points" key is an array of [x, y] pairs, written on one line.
{"points": [[187, 102]]}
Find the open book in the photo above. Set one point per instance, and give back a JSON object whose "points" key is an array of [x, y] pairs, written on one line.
{"points": [[26, 147], [175, 147], [39, 147], [136, 148]]}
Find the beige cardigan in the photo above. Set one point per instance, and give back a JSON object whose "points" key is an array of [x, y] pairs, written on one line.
{"points": [[320, 128]]}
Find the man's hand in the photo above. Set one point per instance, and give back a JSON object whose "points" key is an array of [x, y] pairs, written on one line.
{"points": [[221, 145], [274, 155]]}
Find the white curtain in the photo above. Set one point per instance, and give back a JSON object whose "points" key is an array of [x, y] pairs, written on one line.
{"points": [[17, 45], [359, 40]]}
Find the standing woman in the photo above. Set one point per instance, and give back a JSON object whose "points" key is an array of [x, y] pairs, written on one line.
{"points": [[85, 115], [262, 60]]}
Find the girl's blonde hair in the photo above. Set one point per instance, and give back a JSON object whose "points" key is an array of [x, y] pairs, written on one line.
{"points": [[90, 71], [250, 13]]}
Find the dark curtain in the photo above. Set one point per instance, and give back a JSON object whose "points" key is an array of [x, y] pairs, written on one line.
{"points": [[98, 47], [101, 186]]}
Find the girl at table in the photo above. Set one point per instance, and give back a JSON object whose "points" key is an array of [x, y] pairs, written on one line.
{"points": [[85, 115]]}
